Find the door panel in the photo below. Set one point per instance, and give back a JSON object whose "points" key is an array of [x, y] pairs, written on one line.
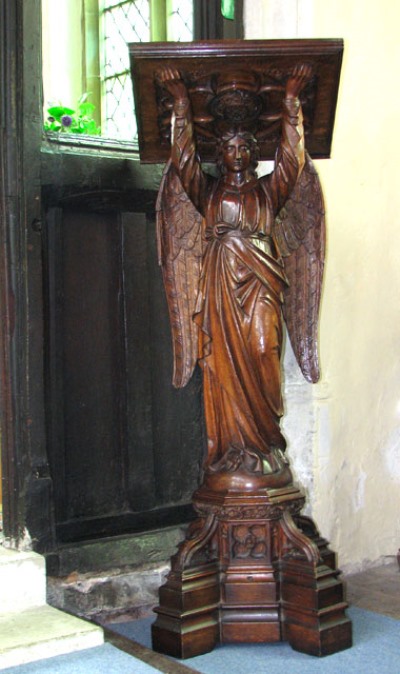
{"points": [[125, 447]]}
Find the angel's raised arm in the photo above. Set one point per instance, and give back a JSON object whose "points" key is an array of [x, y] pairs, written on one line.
{"points": [[290, 155], [183, 146]]}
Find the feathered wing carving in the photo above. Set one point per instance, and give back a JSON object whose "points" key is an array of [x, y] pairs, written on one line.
{"points": [[300, 236], [179, 254]]}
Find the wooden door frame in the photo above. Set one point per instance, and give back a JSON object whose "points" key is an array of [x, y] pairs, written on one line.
{"points": [[27, 509]]}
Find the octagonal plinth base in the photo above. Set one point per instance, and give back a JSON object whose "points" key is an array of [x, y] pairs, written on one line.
{"points": [[251, 569]]}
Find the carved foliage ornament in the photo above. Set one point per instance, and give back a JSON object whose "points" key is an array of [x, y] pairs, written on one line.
{"points": [[223, 102], [251, 97]]}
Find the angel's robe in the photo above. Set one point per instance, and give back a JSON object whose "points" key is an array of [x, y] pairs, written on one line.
{"points": [[239, 302]]}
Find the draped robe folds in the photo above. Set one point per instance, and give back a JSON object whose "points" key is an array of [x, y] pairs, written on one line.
{"points": [[239, 303]]}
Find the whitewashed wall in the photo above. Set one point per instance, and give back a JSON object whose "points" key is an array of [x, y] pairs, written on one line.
{"points": [[62, 52], [344, 433]]}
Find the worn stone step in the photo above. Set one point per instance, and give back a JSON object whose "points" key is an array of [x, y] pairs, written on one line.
{"points": [[22, 580], [43, 632]]}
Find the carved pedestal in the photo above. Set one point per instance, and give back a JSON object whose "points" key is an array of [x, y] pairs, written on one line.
{"points": [[251, 569]]}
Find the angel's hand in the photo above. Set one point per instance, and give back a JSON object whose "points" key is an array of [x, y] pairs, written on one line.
{"points": [[300, 76], [170, 78]]}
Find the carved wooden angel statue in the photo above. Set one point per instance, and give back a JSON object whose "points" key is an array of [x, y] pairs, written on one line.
{"points": [[234, 259]]}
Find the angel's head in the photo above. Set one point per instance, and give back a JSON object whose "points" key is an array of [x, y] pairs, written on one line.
{"points": [[237, 151]]}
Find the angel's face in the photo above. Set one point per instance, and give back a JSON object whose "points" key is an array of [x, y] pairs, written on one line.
{"points": [[236, 154]]}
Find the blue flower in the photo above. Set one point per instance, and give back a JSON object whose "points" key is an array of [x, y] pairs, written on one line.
{"points": [[66, 120]]}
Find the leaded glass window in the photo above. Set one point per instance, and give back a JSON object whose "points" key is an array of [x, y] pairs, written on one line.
{"points": [[180, 21], [122, 22]]}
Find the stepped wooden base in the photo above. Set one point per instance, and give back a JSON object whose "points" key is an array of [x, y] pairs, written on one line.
{"points": [[252, 569]]}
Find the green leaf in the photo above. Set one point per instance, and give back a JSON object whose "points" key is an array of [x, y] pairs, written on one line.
{"points": [[82, 121], [52, 126], [86, 109], [58, 111], [228, 9]]}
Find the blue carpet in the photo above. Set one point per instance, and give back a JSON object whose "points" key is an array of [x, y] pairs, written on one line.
{"points": [[376, 650], [99, 660]]}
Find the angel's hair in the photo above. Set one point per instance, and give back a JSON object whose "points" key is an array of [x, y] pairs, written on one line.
{"points": [[251, 141]]}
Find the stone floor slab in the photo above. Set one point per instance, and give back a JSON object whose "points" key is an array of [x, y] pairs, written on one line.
{"points": [[43, 632]]}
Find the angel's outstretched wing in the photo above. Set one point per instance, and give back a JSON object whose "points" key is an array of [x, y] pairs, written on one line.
{"points": [[179, 254], [300, 236]]}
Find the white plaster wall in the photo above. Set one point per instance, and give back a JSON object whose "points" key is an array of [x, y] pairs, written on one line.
{"points": [[344, 433], [62, 53]]}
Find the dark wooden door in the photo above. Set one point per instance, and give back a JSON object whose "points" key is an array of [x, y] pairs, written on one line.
{"points": [[124, 447]]}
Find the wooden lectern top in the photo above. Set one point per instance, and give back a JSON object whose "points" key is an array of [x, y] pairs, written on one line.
{"points": [[235, 83]]}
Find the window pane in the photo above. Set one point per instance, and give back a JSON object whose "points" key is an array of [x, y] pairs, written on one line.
{"points": [[180, 21], [123, 22], [126, 21], [121, 121]]}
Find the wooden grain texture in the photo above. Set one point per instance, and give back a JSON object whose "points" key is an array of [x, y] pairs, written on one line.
{"points": [[251, 568], [119, 458], [248, 572], [232, 248], [206, 65]]}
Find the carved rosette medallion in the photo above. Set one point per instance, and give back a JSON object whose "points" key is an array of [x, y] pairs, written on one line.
{"points": [[249, 541]]}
